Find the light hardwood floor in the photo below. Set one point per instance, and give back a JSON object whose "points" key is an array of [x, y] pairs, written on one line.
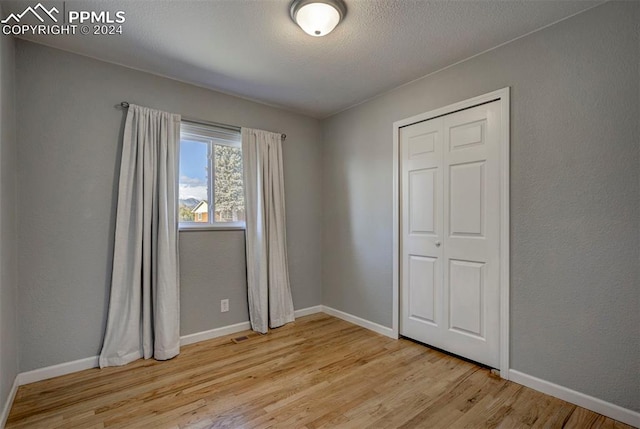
{"points": [[319, 372]]}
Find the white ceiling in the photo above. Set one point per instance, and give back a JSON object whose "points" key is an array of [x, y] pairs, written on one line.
{"points": [[252, 49]]}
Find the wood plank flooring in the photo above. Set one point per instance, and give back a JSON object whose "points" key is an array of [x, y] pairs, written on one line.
{"points": [[319, 372]]}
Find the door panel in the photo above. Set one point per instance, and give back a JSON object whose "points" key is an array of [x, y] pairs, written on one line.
{"points": [[467, 134], [450, 226], [422, 213], [471, 245], [466, 294], [422, 291], [466, 213], [422, 227], [421, 144]]}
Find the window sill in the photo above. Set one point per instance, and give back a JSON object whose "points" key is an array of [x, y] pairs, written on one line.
{"points": [[240, 226]]}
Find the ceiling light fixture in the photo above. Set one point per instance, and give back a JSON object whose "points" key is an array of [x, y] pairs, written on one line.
{"points": [[317, 17]]}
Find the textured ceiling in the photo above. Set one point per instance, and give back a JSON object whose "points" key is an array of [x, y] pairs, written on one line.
{"points": [[252, 49]]}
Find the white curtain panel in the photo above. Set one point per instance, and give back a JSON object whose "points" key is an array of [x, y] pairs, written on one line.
{"points": [[144, 308], [270, 303]]}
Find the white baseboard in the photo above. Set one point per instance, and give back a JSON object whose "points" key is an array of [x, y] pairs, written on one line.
{"points": [[388, 332], [9, 403], [608, 409], [57, 370], [238, 327], [214, 333], [93, 362], [309, 310]]}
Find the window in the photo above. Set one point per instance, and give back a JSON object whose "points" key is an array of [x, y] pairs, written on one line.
{"points": [[210, 185]]}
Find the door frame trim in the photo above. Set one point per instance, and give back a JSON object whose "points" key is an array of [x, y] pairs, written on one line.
{"points": [[504, 96]]}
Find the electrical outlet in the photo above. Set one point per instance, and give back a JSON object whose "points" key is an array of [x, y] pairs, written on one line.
{"points": [[224, 305]]}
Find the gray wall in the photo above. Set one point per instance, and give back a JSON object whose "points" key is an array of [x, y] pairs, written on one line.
{"points": [[69, 141], [213, 267], [575, 281], [8, 261]]}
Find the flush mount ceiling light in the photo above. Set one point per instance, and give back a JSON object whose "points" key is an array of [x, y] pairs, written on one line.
{"points": [[317, 17]]}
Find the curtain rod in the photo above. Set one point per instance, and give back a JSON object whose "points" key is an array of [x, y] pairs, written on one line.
{"points": [[125, 105]]}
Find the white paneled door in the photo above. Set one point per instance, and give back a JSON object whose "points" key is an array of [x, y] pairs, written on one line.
{"points": [[450, 232]]}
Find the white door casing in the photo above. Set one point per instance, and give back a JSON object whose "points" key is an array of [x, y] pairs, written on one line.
{"points": [[451, 241]]}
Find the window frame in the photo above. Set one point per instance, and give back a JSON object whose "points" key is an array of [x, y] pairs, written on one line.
{"points": [[210, 135]]}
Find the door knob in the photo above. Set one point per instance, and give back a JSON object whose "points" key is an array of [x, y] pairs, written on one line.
{"points": [[437, 244]]}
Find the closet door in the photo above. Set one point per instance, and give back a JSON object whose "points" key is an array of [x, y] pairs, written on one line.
{"points": [[450, 233], [422, 231]]}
